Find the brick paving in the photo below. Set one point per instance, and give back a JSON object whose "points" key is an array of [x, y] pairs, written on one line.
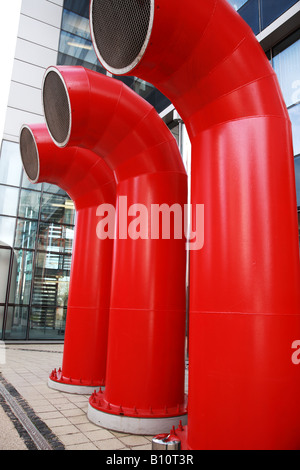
{"points": [[58, 416]]}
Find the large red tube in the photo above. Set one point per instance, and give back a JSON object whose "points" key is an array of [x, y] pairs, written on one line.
{"points": [[244, 283], [145, 368], [89, 183]]}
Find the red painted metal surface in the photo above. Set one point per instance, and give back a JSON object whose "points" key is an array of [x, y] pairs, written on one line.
{"points": [[89, 182], [244, 283], [146, 344]]}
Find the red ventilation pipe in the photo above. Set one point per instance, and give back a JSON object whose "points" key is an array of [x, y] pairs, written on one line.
{"points": [[144, 386], [244, 283], [89, 183]]}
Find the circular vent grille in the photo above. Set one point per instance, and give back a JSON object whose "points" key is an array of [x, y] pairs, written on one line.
{"points": [[29, 154], [120, 30], [56, 107]]}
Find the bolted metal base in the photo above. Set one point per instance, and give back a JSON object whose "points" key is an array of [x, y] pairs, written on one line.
{"points": [[133, 425], [59, 382], [69, 388]]}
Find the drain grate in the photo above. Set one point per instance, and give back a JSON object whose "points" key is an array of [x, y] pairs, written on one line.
{"points": [[23, 418]]}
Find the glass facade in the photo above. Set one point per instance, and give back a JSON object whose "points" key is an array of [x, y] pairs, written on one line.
{"points": [[285, 58], [36, 236], [37, 221]]}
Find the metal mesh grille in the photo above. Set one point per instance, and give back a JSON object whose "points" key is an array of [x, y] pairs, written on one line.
{"points": [[120, 29], [29, 154], [56, 107]]}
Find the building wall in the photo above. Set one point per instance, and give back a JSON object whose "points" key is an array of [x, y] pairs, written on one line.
{"points": [[36, 49]]}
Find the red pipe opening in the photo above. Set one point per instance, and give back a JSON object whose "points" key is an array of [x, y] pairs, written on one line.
{"points": [[146, 345], [89, 183], [244, 283]]}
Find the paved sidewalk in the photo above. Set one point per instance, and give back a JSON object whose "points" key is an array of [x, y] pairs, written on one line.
{"points": [[61, 417]]}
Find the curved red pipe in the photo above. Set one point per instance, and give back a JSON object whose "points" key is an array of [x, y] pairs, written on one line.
{"points": [[244, 283], [89, 183], [147, 310]]}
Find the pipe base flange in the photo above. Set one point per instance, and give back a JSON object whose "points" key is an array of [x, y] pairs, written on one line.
{"points": [[58, 381], [134, 425], [69, 388]]}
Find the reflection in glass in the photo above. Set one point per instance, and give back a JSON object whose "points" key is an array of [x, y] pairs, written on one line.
{"points": [[57, 209], [55, 238], [78, 47], [26, 231], [10, 163], [51, 188], [22, 285], [286, 63], [78, 6], [65, 59], [16, 322], [76, 24], [4, 270], [8, 200], [47, 323], [297, 174], [2, 307], [273, 9], [294, 113], [237, 3], [51, 281], [27, 185], [7, 230], [29, 204], [249, 11]]}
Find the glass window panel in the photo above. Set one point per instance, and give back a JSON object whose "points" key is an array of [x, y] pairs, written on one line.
{"points": [[55, 238], [297, 174], [272, 9], [78, 6], [76, 24], [47, 323], [8, 200], [21, 282], [250, 13], [64, 59], [2, 307], [5, 256], [10, 163], [78, 47], [286, 64], [51, 188], [52, 264], [7, 230], [29, 204], [16, 322], [26, 232], [51, 281], [237, 3], [294, 113], [57, 209], [26, 183]]}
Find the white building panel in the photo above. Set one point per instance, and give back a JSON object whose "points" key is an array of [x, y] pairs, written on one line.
{"points": [[39, 33], [25, 98], [35, 54], [43, 10], [15, 119], [27, 74]]}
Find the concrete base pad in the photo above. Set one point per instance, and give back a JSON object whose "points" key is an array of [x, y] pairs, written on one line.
{"points": [[130, 425], [69, 388]]}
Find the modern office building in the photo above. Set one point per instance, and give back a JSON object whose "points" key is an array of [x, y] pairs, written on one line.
{"points": [[37, 221]]}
